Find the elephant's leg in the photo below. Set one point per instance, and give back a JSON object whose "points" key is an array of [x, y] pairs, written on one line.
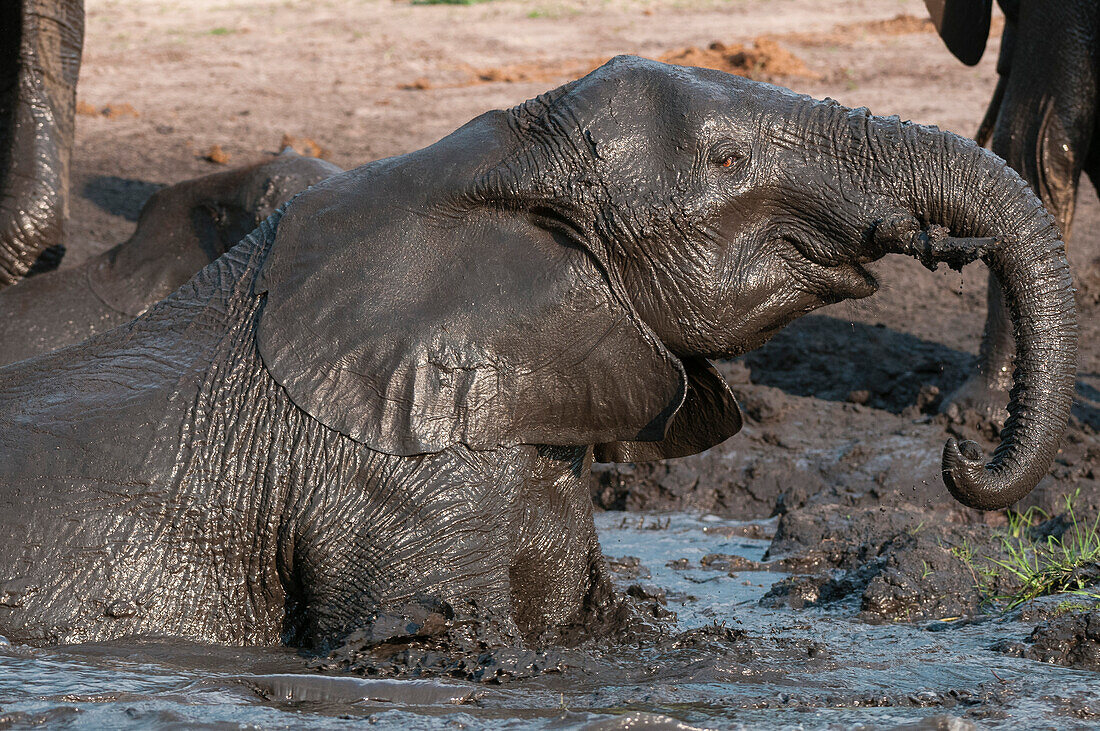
{"points": [[1043, 129], [558, 577], [506, 535], [40, 45]]}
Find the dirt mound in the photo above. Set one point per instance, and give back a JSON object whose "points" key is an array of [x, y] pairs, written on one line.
{"points": [[901, 24], [304, 146], [111, 111], [764, 59], [529, 72], [1072, 640], [898, 564], [217, 155]]}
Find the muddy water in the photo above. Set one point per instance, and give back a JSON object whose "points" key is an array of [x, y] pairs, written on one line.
{"points": [[774, 667]]}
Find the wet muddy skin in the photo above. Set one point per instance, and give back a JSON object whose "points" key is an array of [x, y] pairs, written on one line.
{"points": [[847, 619], [841, 603], [723, 661]]}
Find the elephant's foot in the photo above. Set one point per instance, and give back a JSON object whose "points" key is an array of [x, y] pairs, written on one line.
{"points": [[984, 395]]}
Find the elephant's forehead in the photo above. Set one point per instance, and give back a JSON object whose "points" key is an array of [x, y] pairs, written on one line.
{"points": [[636, 90]]}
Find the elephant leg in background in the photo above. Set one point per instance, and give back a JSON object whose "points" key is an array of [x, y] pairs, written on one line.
{"points": [[1044, 112], [40, 46]]}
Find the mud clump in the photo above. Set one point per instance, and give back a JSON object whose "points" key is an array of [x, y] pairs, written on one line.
{"points": [[420, 84], [897, 564], [429, 638], [628, 567], [763, 59], [831, 536], [304, 146], [217, 155], [1072, 640]]}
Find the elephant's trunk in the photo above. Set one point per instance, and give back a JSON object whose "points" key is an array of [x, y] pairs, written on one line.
{"points": [[40, 45], [943, 180]]}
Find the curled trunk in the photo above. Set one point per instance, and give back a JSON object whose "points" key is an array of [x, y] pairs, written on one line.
{"points": [[40, 45], [947, 181]]}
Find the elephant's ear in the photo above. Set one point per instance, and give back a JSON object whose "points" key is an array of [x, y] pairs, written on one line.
{"points": [[411, 333], [709, 416], [963, 25]]}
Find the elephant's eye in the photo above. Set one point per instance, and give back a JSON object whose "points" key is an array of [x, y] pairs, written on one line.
{"points": [[727, 157]]}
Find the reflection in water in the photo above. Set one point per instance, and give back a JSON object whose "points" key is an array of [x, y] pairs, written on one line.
{"points": [[780, 668]]}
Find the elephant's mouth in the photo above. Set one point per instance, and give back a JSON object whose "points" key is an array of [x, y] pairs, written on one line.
{"points": [[838, 278], [862, 282]]}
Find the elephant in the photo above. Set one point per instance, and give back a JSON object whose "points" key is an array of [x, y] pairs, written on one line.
{"points": [[40, 47], [182, 228], [395, 387], [1041, 119]]}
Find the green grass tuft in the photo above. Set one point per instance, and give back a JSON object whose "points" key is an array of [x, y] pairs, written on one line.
{"points": [[1054, 567], [1067, 607]]}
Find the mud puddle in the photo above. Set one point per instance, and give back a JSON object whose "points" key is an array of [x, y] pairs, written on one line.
{"points": [[740, 665]]}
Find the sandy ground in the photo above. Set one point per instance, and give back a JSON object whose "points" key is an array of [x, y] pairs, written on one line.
{"points": [[243, 74]]}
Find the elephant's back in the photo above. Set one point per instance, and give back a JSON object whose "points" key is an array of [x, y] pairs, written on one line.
{"points": [[105, 448], [120, 402], [51, 311]]}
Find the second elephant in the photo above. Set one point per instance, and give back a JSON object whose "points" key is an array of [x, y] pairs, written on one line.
{"points": [[182, 228], [1041, 120]]}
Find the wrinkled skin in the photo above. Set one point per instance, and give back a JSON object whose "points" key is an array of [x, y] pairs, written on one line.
{"points": [[40, 45], [182, 228], [1042, 120], [396, 387]]}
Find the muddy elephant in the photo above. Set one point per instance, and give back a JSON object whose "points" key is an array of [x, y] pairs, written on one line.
{"points": [[396, 386], [1042, 120], [182, 228]]}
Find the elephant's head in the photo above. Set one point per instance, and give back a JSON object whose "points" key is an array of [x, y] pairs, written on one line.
{"points": [[559, 272], [184, 227]]}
